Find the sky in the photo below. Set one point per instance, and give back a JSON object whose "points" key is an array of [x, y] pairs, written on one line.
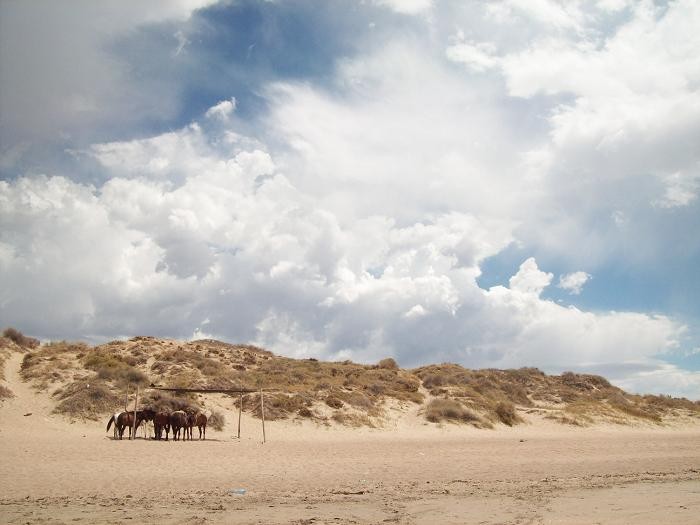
{"points": [[497, 183]]}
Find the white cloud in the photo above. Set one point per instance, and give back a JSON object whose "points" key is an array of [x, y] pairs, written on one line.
{"points": [[238, 244], [681, 189], [613, 6], [530, 279], [573, 282], [662, 378], [549, 13], [563, 15], [408, 7], [475, 56], [388, 133], [66, 80], [622, 107], [222, 110]]}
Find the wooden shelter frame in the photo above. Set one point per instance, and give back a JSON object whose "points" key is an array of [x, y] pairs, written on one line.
{"points": [[240, 391]]}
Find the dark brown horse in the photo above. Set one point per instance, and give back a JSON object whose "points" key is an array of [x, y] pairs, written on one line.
{"points": [[178, 421], [200, 420], [188, 426], [161, 421]]}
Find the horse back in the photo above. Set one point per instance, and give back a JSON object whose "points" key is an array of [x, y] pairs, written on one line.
{"points": [[178, 418]]}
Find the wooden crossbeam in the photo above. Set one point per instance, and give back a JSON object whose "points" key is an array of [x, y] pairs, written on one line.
{"points": [[204, 390], [240, 391]]}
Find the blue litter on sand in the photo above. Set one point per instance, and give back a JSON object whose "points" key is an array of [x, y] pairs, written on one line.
{"points": [[237, 491]]}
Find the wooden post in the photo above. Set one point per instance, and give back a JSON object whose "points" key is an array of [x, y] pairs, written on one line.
{"points": [[126, 399], [262, 412], [240, 409], [136, 406]]}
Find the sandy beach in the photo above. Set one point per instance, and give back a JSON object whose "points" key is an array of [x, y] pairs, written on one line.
{"points": [[55, 471]]}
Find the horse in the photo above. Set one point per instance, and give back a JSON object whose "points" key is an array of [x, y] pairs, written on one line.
{"points": [[178, 420], [113, 419], [201, 421], [146, 414], [126, 419], [161, 421], [120, 420], [189, 425]]}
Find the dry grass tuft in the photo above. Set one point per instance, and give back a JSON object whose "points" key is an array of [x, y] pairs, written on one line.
{"points": [[334, 402], [86, 400], [160, 401], [388, 364], [305, 412], [277, 405], [449, 410], [19, 338], [506, 413], [5, 393], [111, 366], [352, 419], [216, 421]]}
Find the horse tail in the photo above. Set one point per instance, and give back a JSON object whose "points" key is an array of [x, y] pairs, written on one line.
{"points": [[109, 424]]}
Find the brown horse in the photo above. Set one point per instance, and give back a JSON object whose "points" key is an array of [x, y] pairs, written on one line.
{"points": [[126, 419], [161, 421], [189, 425], [201, 421], [178, 420]]}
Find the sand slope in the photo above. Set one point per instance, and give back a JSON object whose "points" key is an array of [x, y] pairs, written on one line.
{"points": [[53, 471]]}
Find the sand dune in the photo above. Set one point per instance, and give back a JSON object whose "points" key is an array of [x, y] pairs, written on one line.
{"points": [[54, 471]]}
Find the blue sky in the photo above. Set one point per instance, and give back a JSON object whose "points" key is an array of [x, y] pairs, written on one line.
{"points": [[498, 184]]}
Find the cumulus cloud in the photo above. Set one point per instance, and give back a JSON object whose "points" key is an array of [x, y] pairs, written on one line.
{"points": [[662, 378], [573, 282], [476, 56], [530, 279], [237, 250], [222, 110], [620, 104]]}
